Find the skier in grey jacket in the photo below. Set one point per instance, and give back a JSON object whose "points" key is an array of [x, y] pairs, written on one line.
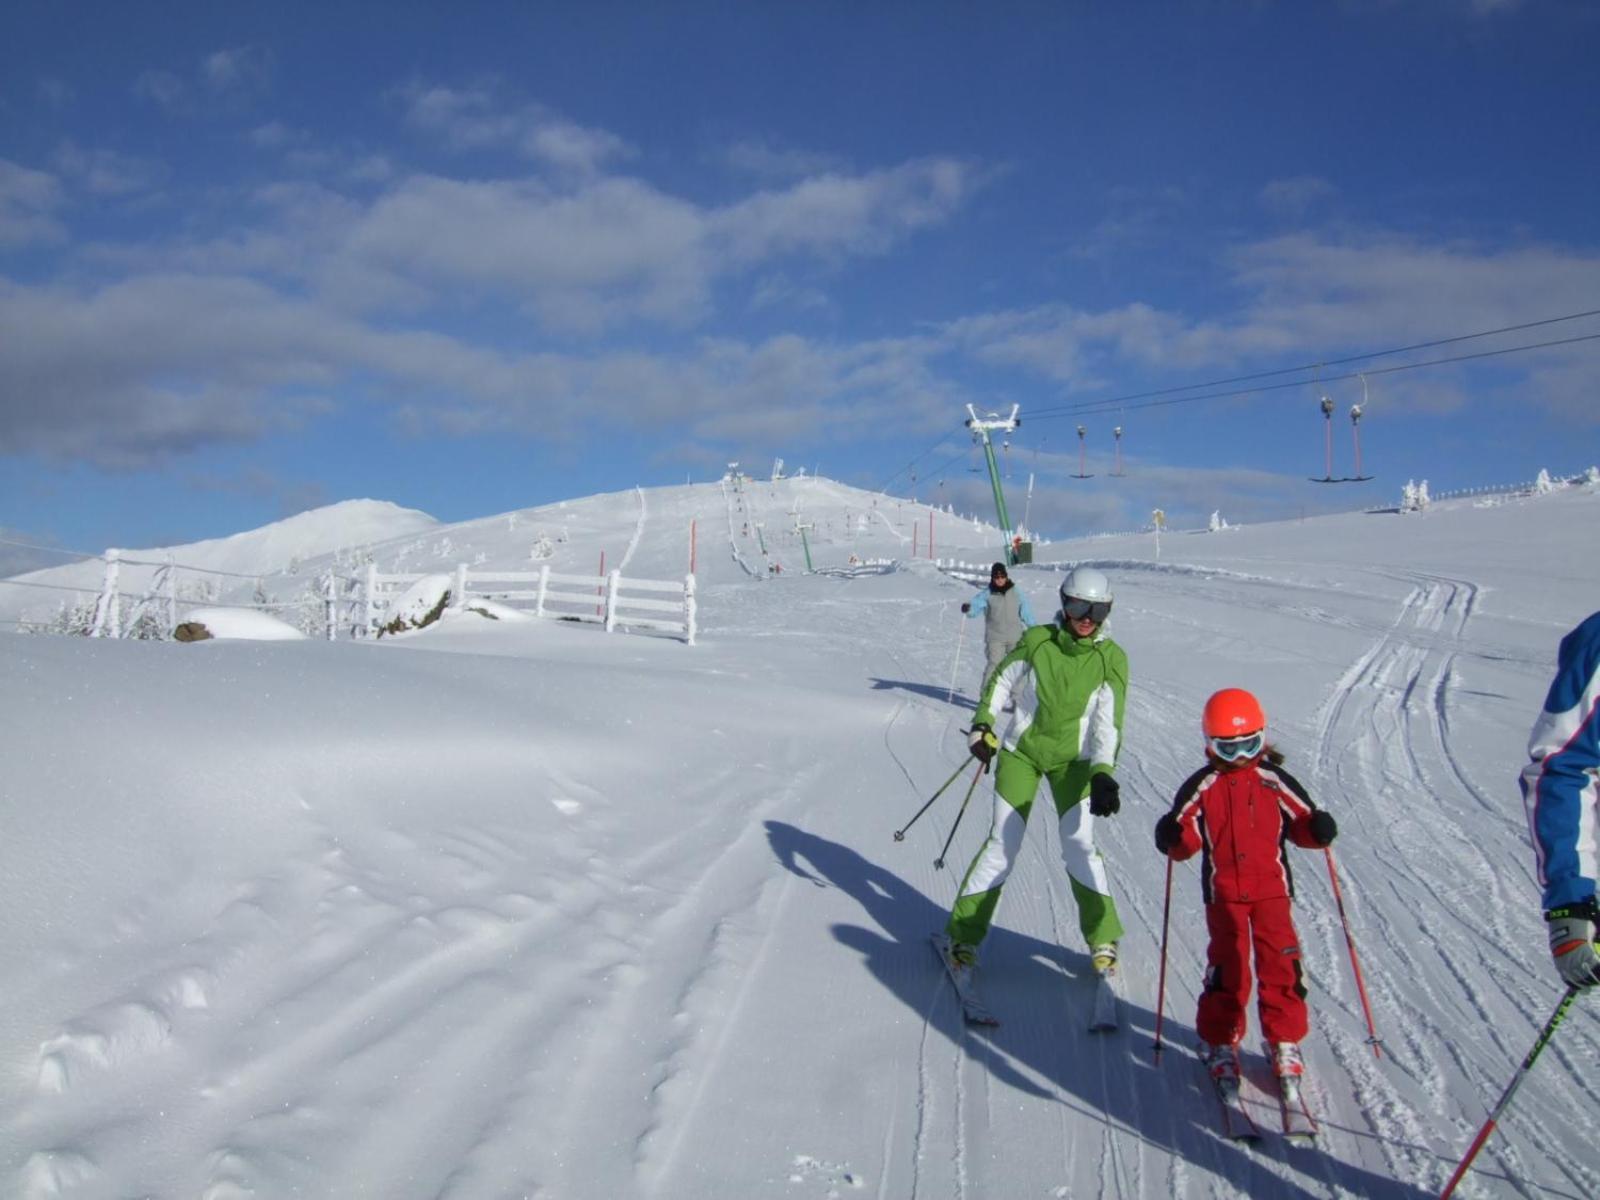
{"points": [[1006, 616]]}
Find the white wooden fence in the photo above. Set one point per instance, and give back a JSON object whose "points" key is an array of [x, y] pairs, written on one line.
{"points": [[662, 606]]}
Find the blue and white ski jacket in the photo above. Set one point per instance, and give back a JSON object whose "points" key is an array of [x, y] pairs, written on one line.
{"points": [[1561, 783]]}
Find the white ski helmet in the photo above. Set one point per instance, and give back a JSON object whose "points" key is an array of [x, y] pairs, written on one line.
{"points": [[1086, 583]]}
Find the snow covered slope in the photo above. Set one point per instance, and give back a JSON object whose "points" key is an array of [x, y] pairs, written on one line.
{"points": [[524, 909], [271, 550], [735, 531]]}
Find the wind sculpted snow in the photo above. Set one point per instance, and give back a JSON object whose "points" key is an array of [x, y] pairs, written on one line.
{"points": [[498, 909]]}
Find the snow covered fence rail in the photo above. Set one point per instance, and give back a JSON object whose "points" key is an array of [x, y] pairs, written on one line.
{"points": [[669, 606], [964, 571], [143, 599], [866, 566]]}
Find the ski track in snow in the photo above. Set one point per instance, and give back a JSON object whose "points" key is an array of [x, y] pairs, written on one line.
{"points": [[638, 531]]}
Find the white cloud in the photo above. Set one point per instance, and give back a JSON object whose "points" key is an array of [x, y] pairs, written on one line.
{"points": [[238, 69], [105, 172], [611, 250], [1293, 198], [28, 200], [863, 214], [570, 146], [481, 118], [761, 159], [57, 93], [163, 87]]}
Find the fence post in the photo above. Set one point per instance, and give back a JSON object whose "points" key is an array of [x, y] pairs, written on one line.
{"points": [[170, 593], [107, 611], [544, 585], [370, 588], [330, 604], [461, 587], [613, 586], [689, 608]]}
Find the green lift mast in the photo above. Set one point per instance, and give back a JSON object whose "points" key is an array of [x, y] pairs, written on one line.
{"points": [[981, 428]]}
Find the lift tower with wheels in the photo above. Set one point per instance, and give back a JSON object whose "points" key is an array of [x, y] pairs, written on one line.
{"points": [[981, 428]]}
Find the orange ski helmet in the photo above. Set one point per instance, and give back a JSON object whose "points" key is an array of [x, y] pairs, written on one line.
{"points": [[1231, 713]]}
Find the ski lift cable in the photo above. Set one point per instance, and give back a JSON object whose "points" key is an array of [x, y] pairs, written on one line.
{"points": [[918, 459], [1101, 406], [1332, 362]]}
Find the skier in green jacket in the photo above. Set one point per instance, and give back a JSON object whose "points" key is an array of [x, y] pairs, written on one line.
{"points": [[1069, 681]]}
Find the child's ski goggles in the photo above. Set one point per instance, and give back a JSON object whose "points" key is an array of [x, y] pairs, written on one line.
{"points": [[1096, 610], [1235, 748]]}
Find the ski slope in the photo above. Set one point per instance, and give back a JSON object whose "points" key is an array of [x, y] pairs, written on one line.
{"points": [[499, 910]]}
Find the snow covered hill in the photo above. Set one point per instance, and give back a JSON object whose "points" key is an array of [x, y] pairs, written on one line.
{"points": [[502, 910], [232, 563], [730, 531]]}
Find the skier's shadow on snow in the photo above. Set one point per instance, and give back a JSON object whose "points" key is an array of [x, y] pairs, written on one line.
{"points": [[925, 689], [1108, 1076]]}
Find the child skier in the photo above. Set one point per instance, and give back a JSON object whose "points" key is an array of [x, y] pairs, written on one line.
{"points": [[1237, 811]]}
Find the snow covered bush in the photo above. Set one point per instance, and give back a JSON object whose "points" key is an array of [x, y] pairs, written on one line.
{"points": [[1414, 496], [419, 606], [1542, 485], [203, 624], [1216, 524]]}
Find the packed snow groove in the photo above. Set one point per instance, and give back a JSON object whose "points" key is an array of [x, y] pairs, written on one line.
{"points": [[497, 910]]}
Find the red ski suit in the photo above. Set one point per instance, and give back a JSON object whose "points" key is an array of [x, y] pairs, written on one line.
{"points": [[1240, 817]]}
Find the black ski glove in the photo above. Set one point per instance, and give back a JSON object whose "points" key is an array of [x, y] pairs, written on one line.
{"points": [[966, 608], [1323, 828], [1104, 798], [1168, 833], [983, 743]]}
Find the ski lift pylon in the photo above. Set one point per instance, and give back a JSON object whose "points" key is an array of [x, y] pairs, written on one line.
{"points": [[1082, 461]]}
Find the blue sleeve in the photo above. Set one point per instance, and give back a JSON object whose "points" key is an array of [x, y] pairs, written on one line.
{"points": [[979, 603], [1559, 784], [1024, 611]]}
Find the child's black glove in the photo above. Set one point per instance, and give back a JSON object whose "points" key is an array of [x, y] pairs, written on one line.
{"points": [[1323, 828], [1104, 795], [1168, 833]]}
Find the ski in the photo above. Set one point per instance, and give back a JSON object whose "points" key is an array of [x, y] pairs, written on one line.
{"points": [[1299, 1127], [1104, 1017], [1237, 1124], [973, 1010]]}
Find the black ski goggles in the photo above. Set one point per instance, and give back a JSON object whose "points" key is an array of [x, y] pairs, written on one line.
{"points": [[1076, 610]]}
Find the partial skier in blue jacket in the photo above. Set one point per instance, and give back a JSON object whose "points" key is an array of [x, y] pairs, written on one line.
{"points": [[1006, 617], [1561, 788]]}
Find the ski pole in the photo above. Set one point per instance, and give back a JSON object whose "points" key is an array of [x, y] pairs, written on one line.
{"points": [[938, 863], [955, 671], [1161, 988], [1373, 1039], [1545, 1035], [900, 834]]}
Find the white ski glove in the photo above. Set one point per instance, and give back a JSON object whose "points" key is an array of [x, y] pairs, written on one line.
{"points": [[1572, 944]]}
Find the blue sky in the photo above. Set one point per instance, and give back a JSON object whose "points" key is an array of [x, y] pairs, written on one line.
{"points": [[254, 260]]}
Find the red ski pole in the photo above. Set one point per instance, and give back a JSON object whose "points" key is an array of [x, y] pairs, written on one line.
{"points": [[1545, 1035], [1355, 963], [1161, 988]]}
